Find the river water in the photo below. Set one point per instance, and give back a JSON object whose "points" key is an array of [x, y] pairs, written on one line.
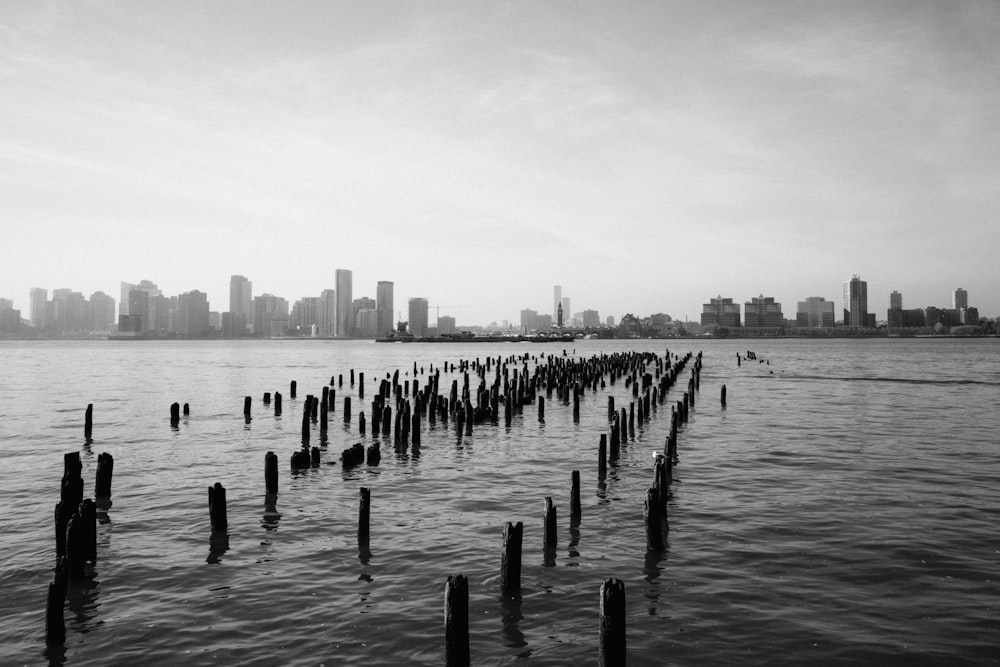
{"points": [[842, 508]]}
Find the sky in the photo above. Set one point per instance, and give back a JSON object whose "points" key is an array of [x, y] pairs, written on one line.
{"points": [[646, 156]]}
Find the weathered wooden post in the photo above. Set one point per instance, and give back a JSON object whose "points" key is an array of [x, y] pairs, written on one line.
{"points": [[510, 558], [88, 421], [347, 409], [105, 469], [612, 641], [541, 409], [186, 410], [723, 396], [277, 403], [246, 408], [456, 621], [75, 547], [602, 457], [654, 525], [267, 398], [364, 511], [55, 624], [550, 523], [88, 517], [361, 422], [292, 388], [175, 414], [574, 496], [271, 472], [217, 508]]}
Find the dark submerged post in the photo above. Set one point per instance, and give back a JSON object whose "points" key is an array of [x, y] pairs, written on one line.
{"points": [[456, 621], [612, 643], [550, 523], [510, 558], [88, 420], [217, 507], [364, 511], [723, 395], [271, 472], [574, 496], [175, 414]]}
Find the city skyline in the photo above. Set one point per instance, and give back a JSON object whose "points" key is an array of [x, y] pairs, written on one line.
{"points": [[644, 157]]}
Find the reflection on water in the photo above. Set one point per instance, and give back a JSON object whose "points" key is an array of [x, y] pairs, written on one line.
{"points": [[269, 521], [82, 602], [510, 620], [651, 570], [218, 544], [364, 552]]}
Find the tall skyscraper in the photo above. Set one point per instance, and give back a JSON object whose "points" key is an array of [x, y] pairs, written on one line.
{"points": [[960, 299], [855, 302], [240, 320], [102, 312], [192, 314], [895, 300], [384, 308], [345, 302], [38, 297], [418, 316], [556, 301]]}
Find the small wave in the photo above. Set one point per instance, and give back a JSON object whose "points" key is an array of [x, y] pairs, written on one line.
{"points": [[919, 381]]}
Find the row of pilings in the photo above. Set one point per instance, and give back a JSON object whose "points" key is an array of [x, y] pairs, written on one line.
{"points": [[488, 392]]}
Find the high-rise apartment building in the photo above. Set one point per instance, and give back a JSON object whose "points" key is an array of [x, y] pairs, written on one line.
{"points": [[720, 312], [37, 298], [815, 311], [345, 302], [959, 299], [326, 314], [895, 300], [239, 320], [446, 325], [761, 312], [384, 308], [192, 314], [856, 303], [102, 312], [418, 316], [270, 314]]}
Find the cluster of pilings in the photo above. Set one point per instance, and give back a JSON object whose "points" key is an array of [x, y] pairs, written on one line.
{"points": [[76, 532], [490, 391]]}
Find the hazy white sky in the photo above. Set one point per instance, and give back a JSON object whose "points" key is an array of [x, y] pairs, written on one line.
{"points": [[646, 156]]}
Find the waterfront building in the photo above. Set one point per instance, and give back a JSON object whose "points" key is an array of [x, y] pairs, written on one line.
{"points": [[138, 308], [856, 303], [305, 314], [970, 315], [326, 314], [418, 316], [591, 319], [345, 299], [720, 312], [366, 321], [384, 307], [102, 312], [37, 297], [446, 325], [529, 320], [192, 317], [895, 300], [240, 321], [761, 312], [960, 299], [556, 301], [815, 311], [270, 316]]}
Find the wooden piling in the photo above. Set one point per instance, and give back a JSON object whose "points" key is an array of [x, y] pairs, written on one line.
{"points": [[364, 511], [510, 558], [723, 395], [347, 409], [277, 403], [574, 495], [246, 407], [541, 409], [105, 469], [217, 507], [602, 457], [612, 641], [550, 523], [175, 414], [55, 624], [88, 421], [292, 387], [271, 472], [654, 525], [456, 621]]}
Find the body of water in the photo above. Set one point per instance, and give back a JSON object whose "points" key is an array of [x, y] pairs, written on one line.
{"points": [[843, 507]]}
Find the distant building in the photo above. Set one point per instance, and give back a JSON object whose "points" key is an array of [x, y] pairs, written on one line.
{"points": [[895, 300], [762, 312], [37, 298], [815, 311], [138, 307], [102, 312], [959, 299], [366, 321], [590, 319], [345, 300], [556, 301], [305, 314], [241, 319], [384, 307], [418, 316], [10, 317], [192, 314], [970, 315], [529, 320], [270, 316], [326, 314], [720, 312], [445, 325], [610, 322], [856, 303]]}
